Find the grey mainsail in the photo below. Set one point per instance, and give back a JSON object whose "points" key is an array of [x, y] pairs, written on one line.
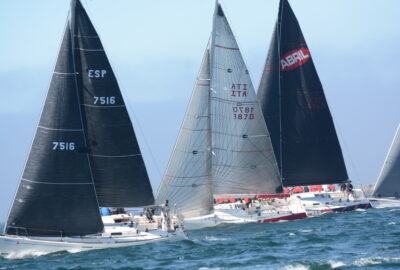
{"points": [[118, 168], [56, 193], [243, 158], [187, 181], [388, 183], [223, 145]]}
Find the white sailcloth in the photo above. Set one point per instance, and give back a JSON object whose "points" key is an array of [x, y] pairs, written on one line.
{"points": [[223, 145], [243, 160], [187, 181], [388, 183]]}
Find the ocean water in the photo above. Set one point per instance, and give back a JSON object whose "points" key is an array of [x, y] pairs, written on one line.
{"points": [[353, 240]]}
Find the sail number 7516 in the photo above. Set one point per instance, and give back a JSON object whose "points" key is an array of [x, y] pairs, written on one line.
{"points": [[64, 146], [104, 100]]}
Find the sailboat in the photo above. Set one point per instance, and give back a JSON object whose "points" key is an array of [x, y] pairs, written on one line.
{"points": [[387, 189], [223, 150], [297, 115], [84, 156]]}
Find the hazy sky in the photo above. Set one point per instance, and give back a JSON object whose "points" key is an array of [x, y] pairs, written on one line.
{"points": [[155, 48]]}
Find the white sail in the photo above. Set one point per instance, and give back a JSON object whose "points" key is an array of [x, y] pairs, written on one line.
{"points": [[187, 181], [223, 145], [242, 156], [388, 181]]}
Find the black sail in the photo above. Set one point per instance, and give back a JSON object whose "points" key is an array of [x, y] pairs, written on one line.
{"points": [[56, 193], [118, 168], [296, 111]]}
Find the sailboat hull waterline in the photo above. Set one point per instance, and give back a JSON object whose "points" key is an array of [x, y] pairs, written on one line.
{"points": [[114, 237]]}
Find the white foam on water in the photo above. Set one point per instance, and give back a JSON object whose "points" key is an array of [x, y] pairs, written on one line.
{"points": [[334, 264], [24, 254], [374, 260], [392, 223], [295, 267], [360, 210], [213, 238], [292, 234], [76, 250], [307, 230]]}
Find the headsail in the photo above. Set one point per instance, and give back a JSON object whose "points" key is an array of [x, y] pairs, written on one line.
{"points": [[388, 183], [118, 168], [243, 158], [56, 193], [296, 111], [187, 181]]}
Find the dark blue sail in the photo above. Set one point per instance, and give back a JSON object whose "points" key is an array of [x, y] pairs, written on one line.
{"points": [[56, 195], [296, 111], [118, 168]]}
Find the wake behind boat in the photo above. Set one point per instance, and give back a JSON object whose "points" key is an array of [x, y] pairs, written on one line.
{"points": [[223, 148], [84, 156]]}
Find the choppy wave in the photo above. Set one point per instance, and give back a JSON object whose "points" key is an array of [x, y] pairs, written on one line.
{"points": [[354, 240]]}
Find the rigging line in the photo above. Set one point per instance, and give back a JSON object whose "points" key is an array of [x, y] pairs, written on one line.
{"points": [[280, 98]]}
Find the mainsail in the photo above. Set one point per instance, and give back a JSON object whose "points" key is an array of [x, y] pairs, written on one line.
{"points": [[118, 168], [388, 183], [296, 111], [223, 145], [56, 194], [84, 153]]}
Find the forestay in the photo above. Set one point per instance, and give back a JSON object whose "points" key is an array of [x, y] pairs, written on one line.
{"points": [[243, 160], [118, 168], [296, 111], [388, 183], [56, 195]]}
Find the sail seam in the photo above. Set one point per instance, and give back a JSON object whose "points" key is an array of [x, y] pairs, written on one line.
{"points": [[227, 48], [196, 176], [242, 151], [50, 183], [97, 106], [60, 129], [89, 50], [64, 73], [121, 156]]}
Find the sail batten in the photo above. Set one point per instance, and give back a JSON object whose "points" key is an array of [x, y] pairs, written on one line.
{"points": [[295, 109]]}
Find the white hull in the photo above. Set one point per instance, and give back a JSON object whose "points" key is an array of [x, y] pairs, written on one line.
{"points": [[316, 203], [239, 216], [385, 202], [22, 246]]}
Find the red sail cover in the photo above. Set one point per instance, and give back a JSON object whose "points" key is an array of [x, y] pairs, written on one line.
{"points": [[296, 111]]}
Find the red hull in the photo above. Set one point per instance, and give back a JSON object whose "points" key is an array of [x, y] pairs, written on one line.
{"points": [[291, 217]]}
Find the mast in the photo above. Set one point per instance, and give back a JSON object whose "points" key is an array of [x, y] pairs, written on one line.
{"points": [[296, 111]]}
